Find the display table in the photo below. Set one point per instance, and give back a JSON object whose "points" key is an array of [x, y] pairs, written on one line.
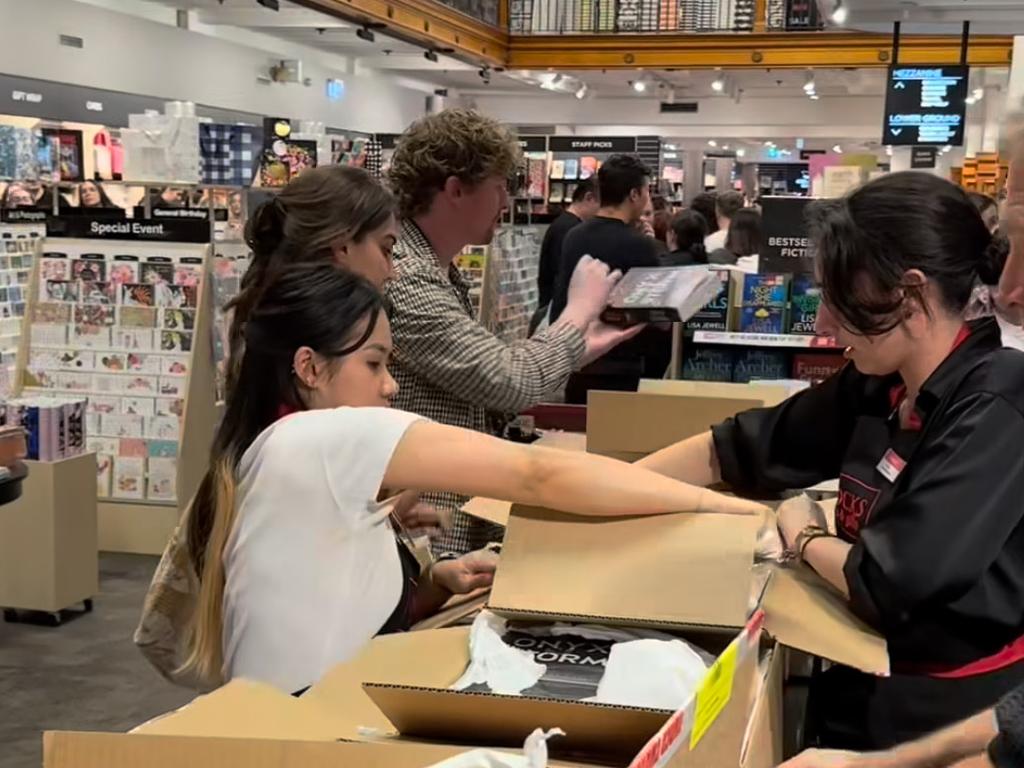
{"points": [[48, 552]]}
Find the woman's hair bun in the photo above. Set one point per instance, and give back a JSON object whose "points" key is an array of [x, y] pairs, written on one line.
{"points": [[264, 232]]}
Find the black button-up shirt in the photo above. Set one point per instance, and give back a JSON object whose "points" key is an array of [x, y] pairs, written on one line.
{"points": [[937, 563]]}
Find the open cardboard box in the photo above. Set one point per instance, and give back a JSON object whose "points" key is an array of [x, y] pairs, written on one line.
{"points": [[560, 568]]}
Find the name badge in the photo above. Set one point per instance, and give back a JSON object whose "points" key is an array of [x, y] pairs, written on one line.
{"points": [[891, 465]]}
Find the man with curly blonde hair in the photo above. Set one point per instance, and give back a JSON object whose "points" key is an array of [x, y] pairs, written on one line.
{"points": [[451, 173]]}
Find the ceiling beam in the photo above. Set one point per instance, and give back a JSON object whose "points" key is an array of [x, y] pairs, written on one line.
{"points": [[792, 50], [259, 18]]}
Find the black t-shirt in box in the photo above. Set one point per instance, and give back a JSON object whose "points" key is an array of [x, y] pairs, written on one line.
{"points": [[610, 240]]}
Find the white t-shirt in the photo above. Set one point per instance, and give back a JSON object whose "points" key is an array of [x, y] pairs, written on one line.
{"points": [[715, 240], [311, 572]]}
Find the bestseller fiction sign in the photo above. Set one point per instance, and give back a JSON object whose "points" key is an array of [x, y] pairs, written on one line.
{"points": [[592, 143], [925, 105], [785, 248]]}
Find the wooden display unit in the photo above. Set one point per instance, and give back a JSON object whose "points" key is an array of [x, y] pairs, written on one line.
{"points": [[48, 553], [143, 525]]}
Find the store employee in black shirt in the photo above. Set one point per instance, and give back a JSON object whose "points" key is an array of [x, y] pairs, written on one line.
{"points": [[583, 207], [612, 237], [925, 431]]}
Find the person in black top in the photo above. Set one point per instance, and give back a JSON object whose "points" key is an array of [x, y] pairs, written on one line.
{"points": [[583, 207], [924, 431], [686, 240], [612, 237]]}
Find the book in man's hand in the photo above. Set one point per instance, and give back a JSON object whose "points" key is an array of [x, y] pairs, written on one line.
{"points": [[661, 295]]}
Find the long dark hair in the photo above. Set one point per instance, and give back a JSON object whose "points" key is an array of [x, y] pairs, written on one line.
{"points": [[690, 228], [320, 306], [867, 241], [745, 233], [301, 225]]}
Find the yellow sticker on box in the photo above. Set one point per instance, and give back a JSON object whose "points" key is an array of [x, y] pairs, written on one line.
{"points": [[714, 692]]}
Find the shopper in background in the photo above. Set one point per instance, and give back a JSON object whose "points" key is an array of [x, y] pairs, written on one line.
{"points": [[704, 204], [92, 195], [450, 174], [583, 207], [612, 237], [924, 431], [743, 241], [727, 205], [686, 240], [299, 565], [988, 208], [995, 737]]}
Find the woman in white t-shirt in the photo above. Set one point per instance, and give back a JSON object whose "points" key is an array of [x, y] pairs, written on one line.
{"points": [[299, 565]]}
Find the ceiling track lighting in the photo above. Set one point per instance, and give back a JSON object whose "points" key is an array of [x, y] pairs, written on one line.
{"points": [[273, 5], [840, 13], [837, 149], [718, 84], [430, 56], [639, 85], [364, 33], [581, 92], [810, 87]]}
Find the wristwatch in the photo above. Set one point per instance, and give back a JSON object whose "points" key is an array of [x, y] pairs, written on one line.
{"points": [[805, 537]]}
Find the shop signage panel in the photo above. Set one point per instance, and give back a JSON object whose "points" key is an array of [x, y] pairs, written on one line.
{"points": [[592, 143], [785, 247], [925, 105]]}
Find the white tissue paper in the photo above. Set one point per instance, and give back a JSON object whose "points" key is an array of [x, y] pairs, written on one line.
{"points": [[605, 665], [535, 754]]}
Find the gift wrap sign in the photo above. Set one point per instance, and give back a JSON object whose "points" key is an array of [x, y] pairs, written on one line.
{"points": [[785, 250]]}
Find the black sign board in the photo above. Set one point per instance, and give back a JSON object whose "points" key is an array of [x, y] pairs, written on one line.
{"points": [[533, 143], [923, 157], [388, 140], [785, 236], [592, 143], [24, 215], [802, 14], [925, 105], [168, 230], [807, 154]]}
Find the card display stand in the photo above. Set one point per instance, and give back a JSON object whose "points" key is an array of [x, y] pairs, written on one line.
{"points": [[48, 540], [20, 244], [127, 324]]}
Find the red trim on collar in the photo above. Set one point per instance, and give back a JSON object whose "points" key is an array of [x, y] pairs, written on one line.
{"points": [[897, 393]]}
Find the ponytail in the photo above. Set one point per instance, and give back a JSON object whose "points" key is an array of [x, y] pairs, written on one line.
{"points": [[699, 253]]}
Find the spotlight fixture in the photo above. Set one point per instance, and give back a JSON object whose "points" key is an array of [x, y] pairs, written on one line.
{"points": [[725, 147], [639, 85], [364, 33], [837, 149], [888, 151], [718, 84], [485, 75], [769, 143], [273, 5], [947, 149], [581, 92], [814, 97], [712, 143], [741, 152], [840, 13], [430, 56], [809, 84]]}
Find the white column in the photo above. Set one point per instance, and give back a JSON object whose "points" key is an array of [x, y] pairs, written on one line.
{"points": [[1015, 95]]}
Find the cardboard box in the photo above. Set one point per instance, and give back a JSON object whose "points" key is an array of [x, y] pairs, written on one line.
{"points": [[542, 549], [631, 425]]}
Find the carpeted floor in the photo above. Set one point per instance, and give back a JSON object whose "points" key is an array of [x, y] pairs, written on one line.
{"points": [[84, 675]]}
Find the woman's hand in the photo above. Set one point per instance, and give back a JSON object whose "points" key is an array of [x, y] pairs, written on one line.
{"points": [[589, 288], [467, 573], [419, 518], [795, 515]]}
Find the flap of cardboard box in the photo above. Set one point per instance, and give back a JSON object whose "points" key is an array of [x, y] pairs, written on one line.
{"points": [[636, 424], [389, 660], [760, 394], [120, 750], [616, 733], [805, 613], [491, 510], [244, 709], [682, 570]]}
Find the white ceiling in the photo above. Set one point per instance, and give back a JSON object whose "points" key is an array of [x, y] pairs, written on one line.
{"points": [[935, 16]]}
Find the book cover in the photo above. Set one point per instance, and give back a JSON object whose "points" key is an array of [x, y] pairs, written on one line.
{"points": [[806, 297], [572, 168], [558, 169], [766, 290], [816, 366], [91, 270], [54, 266], [157, 269], [707, 363], [660, 294], [588, 166], [714, 316], [124, 270], [188, 271], [761, 364], [98, 293], [759, 319], [138, 295]]}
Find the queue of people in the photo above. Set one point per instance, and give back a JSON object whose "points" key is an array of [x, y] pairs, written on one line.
{"points": [[359, 379]]}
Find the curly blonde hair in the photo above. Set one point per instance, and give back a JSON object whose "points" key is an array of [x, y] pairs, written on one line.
{"points": [[456, 142]]}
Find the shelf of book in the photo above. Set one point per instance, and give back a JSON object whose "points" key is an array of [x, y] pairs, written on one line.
{"points": [[769, 340]]}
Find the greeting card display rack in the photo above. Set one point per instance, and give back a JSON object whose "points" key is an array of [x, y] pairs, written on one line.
{"points": [[127, 323]]}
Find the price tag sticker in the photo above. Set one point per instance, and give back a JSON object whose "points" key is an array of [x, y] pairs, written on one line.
{"points": [[714, 693]]}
